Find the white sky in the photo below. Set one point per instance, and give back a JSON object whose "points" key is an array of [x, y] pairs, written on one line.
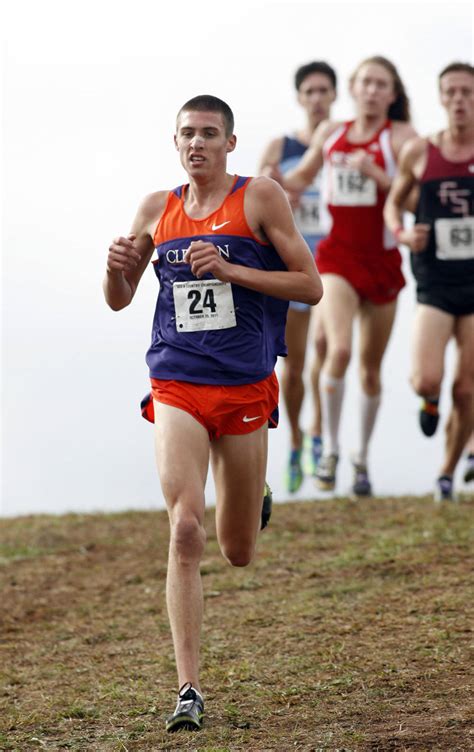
{"points": [[90, 94]]}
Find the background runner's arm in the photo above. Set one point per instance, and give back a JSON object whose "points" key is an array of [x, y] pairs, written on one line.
{"points": [[311, 162], [270, 160], [405, 180], [270, 167], [361, 161]]}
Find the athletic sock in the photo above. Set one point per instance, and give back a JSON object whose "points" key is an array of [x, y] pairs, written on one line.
{"points": [[431, 404], [332, 394], [369, 407]]}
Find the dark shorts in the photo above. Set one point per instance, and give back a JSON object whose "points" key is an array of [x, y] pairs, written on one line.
{"points": [[456, 300]]}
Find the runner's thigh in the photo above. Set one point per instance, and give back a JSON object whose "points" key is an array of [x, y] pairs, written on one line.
{"points": [[239, 466], [182, 457], [432, 330]]}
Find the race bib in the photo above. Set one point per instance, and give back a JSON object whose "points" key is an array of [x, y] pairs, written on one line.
{"points": [[307, 216], [454, 238], [203, 305], [352, 188]]}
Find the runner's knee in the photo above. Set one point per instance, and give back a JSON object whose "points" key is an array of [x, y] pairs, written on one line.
{"points": [[425, 384], [463, 393], [293, 372], [339, 357], [188, 537], [370, 380], [321, 344], [238, 553]]}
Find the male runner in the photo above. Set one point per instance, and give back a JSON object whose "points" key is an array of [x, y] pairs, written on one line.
{"points": [[229, 256], [442, 260], [315, 84], [468, 474]]}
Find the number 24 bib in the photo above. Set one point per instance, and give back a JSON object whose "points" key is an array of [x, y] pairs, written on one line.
{"points": [[203, 305]]}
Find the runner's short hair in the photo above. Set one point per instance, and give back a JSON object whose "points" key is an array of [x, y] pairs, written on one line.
{"points": [[317, 66], [456, 67], [208, 103]]}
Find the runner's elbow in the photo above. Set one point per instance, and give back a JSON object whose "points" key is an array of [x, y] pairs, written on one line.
{"points": [[314, 294]]}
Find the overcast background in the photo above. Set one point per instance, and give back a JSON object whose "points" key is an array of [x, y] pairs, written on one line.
{"points": [[90, 94]]}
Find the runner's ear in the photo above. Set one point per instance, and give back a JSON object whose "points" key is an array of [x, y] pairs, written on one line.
{"points": [[231, 143]]}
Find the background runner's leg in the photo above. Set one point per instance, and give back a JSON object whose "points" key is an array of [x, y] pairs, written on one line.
{"points": [[461, 419]]}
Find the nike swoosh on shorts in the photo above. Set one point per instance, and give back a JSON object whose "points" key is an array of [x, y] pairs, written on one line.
{"points": [[248, 420]]}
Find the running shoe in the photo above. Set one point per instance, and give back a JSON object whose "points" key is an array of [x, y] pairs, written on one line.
{"points": [[444, 490], [294, 471], [267, 506], [313, 452], [429, 416], [326, 472], [361, 485], [189, 711], [469, 471]]}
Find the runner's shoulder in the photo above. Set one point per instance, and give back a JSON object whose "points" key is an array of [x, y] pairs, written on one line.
{"points": [[413, 149], [325, 129], [262, 188], [153, 204]]}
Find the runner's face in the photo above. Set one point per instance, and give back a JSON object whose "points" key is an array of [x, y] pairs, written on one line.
{"points": [[372, 89], [202, 142], [316, 95], [457, 97]]}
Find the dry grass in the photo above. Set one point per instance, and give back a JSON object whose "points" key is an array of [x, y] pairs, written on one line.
{"points": [[351, 631]]}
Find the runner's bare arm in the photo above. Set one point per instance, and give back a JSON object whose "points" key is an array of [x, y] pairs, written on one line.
{"points": [[270, 160], [404, 182], [360, 159], [312, 160], [269, 216], [129, 256]]}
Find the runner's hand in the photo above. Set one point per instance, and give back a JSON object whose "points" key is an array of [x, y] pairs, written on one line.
{"points": [[123, 255], [294, 198], [204, 258], [360, 160], [416, 238], [273, 171]]}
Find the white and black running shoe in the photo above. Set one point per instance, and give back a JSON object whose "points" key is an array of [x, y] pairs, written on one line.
{"points": [[189, 711]]}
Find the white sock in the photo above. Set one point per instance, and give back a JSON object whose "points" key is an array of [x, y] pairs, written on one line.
{"points": [[332, 394], [369, 407]]}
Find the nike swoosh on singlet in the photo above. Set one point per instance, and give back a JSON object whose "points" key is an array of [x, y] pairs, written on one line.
{"points": [[218, 227], [248, 420]]}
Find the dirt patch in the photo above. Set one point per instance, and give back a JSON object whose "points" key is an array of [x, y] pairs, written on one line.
{"points": [[350, 631]]}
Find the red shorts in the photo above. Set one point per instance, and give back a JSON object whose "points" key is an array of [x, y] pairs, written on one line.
{"points": [[377, 280], [221, 410]]}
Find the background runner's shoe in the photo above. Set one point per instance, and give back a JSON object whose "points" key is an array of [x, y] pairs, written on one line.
{"points": [[429, 417], [469, 471], [326, 472], [267, 506], [313, 452], [361, 485], [444, 490], [189, 711], [294, 471]]}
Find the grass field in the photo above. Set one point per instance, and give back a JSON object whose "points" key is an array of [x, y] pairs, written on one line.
{"points": [[352, 630]]}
